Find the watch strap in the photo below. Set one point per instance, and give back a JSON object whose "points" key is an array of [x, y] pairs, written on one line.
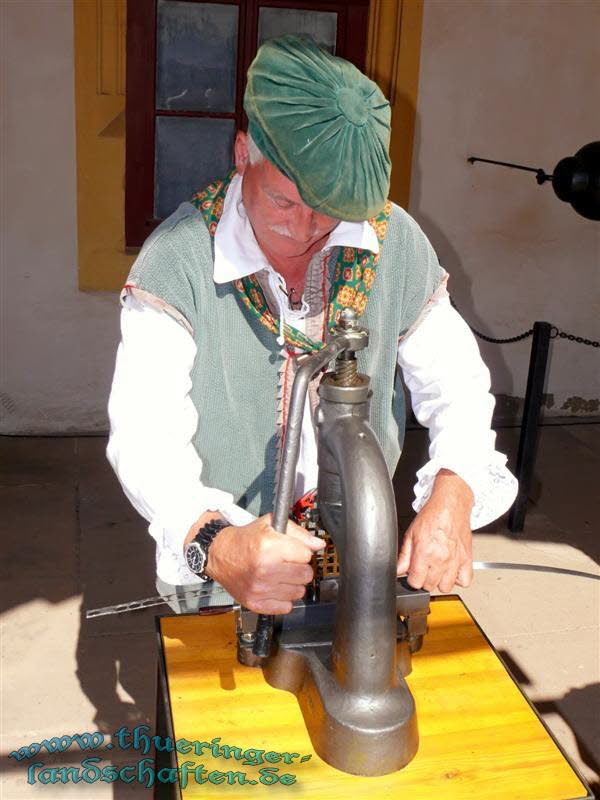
{"points": [[204, 538]]}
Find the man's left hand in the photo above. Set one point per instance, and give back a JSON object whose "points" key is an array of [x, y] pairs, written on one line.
{"points": [[437, 548]]}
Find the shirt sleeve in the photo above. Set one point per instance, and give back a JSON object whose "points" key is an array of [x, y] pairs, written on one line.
{"points": [[450, 392], [152, 424]]}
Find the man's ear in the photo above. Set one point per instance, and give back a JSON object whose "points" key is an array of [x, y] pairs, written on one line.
{"points": [[240, 150]]}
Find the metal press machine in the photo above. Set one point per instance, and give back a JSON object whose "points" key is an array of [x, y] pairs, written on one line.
{"points": [[345, 649]]}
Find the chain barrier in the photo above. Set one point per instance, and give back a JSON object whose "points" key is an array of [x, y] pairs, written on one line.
{"points": [[553, 335], [491, 339]]}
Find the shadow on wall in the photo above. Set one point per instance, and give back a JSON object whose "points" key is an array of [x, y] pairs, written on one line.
{"points": [[459, 284]]}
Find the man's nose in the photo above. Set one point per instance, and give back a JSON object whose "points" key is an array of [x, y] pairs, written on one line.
{"points": [[303, 224]]}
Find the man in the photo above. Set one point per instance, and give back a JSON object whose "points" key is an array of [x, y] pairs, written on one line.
{"points": [[227, 293]]}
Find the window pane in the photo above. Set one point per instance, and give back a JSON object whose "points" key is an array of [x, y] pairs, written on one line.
{"points": [[190, 153], [321, 25], [196, 56]]}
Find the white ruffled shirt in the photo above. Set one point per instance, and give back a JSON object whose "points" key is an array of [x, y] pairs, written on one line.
{"points": [[153, 419]]}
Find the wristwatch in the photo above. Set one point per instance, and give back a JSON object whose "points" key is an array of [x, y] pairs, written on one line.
{"points": [[196, 552]]}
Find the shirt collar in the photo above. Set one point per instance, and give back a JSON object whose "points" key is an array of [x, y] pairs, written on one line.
{"points": [[237, 253]]}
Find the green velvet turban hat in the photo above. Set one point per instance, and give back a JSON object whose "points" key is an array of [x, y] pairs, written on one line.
{"points": [[323, 123]]}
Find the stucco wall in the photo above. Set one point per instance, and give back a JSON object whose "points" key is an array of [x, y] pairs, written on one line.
{"points": [[507, 80], [512, 81], [58, 343]]}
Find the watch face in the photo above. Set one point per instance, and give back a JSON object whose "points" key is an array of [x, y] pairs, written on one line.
{"points": [[195, 557]]}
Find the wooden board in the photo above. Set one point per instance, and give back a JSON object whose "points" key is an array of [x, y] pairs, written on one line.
{"points": [[479, 737]]}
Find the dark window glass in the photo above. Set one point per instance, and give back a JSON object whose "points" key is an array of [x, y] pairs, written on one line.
{"points": [[321, 25], [190, 153], [196, 56]]}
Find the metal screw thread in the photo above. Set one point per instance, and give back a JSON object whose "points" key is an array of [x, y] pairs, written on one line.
{"points": [[346, 372]]}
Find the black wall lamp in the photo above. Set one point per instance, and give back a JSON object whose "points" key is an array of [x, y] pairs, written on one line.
{"points": [[575, 180]]}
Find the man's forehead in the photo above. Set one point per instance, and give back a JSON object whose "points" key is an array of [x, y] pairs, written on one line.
{"points": [[277, 185], [283, 191]]}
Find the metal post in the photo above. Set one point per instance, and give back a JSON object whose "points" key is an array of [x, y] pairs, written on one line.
{"points": [[529, 426]]}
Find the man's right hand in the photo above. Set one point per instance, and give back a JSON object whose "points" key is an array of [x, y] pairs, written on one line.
{"points": [[263, 570]]}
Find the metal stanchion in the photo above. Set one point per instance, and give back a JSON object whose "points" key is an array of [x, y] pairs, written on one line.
{"points": [[538, 362]]}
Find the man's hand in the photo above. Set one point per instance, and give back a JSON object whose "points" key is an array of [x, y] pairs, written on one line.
{"points": [[264, 570], [437, 548]]}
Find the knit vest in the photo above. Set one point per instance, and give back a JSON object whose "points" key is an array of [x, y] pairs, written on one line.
{"points": [[235, 373]]}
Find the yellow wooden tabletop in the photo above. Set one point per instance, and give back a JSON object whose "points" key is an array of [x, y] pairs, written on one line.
{"points": [[479, 737]]}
